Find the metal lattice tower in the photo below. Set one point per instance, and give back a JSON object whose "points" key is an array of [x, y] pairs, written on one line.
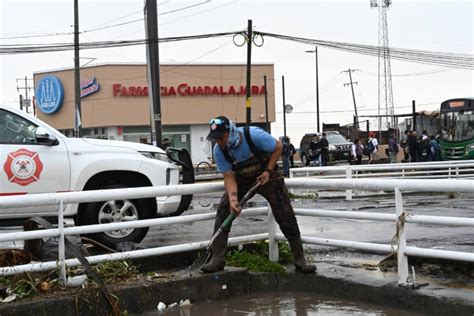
{"points": [[385, 91]]}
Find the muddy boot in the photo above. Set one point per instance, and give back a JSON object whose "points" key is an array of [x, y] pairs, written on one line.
{"points": [[218, 250], [300, 262]]}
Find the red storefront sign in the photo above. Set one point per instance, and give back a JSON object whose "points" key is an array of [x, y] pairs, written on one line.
{"points": [[184, 89]]}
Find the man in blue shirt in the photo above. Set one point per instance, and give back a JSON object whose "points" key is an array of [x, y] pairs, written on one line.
{"points": [[244, 157]]}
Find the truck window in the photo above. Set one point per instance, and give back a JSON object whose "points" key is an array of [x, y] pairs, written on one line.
{"points": [[16, 130]]}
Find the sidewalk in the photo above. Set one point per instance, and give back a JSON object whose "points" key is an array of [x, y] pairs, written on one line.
{"points": [[354, 283]]}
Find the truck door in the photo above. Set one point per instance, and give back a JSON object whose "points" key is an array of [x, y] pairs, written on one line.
{"points": [[27, 166]]}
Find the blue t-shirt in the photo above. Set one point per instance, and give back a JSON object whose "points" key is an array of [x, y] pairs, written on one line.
{"points": [[262, 140]]}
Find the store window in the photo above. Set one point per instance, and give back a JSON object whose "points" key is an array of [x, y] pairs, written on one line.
{"points": [[67, 132], [97, 132], [179, 135]]}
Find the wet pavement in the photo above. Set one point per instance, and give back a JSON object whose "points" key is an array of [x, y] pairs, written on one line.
{"points": [[427, 236], [451, 280], [280, 303]]}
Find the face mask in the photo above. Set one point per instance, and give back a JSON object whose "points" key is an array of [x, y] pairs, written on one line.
{"points": [[234, 137]]}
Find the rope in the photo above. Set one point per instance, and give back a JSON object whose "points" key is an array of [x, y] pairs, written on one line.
{"points": [[398, 230]]}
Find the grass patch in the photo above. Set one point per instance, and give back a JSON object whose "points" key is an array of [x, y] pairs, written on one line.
{"points": [[452, 195], [307, 196], [255, 258], [22, 285], [29, 284], [116, 271]]}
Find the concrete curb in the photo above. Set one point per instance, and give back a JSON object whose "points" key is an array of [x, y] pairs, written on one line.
{"points": [[145, 295]]}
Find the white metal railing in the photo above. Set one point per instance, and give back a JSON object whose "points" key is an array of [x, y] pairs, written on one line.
{"points": [[396, 185], [463, 169]]}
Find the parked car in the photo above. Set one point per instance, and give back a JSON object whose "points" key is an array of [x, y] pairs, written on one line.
{"points": [[36, 158], [339, 147]]}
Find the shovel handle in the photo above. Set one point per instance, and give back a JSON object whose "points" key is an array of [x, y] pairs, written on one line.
{"points": [[229, 219]]}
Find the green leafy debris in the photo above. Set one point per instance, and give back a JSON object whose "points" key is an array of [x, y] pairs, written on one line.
{"points": [[116, 270], [255, 257], [309, 196], [23, 285], [452, 195]]}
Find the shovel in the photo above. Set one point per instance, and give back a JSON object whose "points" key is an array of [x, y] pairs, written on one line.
{"points": [[202, 259]]}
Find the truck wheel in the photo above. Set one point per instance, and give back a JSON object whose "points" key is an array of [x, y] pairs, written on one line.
{"points": [[117, 211]]}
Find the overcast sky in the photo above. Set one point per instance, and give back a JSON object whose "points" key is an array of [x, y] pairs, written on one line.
{"points": [[444, 26]]}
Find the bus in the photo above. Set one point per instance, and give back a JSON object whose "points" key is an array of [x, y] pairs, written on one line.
{"points": [[457, 129]]}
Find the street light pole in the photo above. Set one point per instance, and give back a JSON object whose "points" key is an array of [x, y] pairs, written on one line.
{"points": [[77, 76], [284, 109], [315, 51]]}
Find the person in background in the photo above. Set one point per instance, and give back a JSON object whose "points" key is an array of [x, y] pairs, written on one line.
{"points": [[373, 146], [285, 156], [424, 135], [404, 145], [324, 149], [424, 147], [356, 151], [435, 150], [314, 151], [246, 156], [412, 146], [393, 148], [165, 143], [292, 153]]}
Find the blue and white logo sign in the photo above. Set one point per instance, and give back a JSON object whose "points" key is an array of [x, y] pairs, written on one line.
{"points": [[49, 94]]}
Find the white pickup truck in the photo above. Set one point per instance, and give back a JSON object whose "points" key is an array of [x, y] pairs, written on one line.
{"points": [[36, 158]]}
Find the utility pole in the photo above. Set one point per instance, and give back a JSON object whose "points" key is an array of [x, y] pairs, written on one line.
{"points": [[153, 69], [315, 51], [77, 76], [26, 102], [249, 38], [284, 107], [413, 106], [350, 71], [248, 91], [267, 123]]}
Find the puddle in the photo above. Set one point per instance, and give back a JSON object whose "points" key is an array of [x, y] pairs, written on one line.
{"points": [[280, 303]]}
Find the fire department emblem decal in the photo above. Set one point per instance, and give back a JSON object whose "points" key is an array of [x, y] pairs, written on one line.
{"points": [[23, 167]]}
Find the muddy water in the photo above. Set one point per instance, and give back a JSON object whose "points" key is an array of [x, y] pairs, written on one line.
{"points": [[280, 303]]}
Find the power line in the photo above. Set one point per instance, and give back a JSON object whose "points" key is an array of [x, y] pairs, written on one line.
{"points": [[118, 19], [199, 12], [102, 27], [185, 8], [56, 47], [462, 61], [453, 60], [361, 110], [181, 18], [422, 73]]}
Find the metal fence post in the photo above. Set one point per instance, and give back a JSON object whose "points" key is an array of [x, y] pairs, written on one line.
{"points": [[402, 259], [307, 176], [348, 177], [457, 172], [272, 242], [61, 247]]}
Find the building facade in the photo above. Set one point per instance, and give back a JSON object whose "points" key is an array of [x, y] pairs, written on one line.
{"points": [[115, 103]]}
